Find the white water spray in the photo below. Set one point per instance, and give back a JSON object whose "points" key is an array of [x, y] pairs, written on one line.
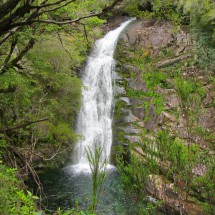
{"points": [[95, 117]]}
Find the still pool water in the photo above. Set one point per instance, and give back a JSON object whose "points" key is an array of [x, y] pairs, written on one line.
{"points": [[63, 188]]}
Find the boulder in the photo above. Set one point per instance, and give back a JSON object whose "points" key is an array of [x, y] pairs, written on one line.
{"points": [[119, 90], [166, 118], [164, 190], [138, 112], [130, 118], [130, 129], [126, 100], [133, 139]]}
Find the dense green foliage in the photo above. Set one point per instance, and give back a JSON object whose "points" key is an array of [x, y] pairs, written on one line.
{"points": [[12, 197], [43, 47]]}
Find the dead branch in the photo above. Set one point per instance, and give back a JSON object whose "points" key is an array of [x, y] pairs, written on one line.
{"points": [[11, 30], [172, 61], [61, 41]]}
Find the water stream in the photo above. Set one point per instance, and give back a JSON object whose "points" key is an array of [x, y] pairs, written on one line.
{"points": [[95, 117]]}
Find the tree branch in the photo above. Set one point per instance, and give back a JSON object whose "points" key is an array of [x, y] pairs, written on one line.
{"points": [[47, 5], [12, 47], [19, 57], [22, 125], [56, 8], [55, 22], [23, 52], [7, 7], [61, 41], [31, 21], [13, 30], [9, 34]]}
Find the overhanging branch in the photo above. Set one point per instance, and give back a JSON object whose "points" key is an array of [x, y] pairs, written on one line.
{"points": [[30, 21], [56, 22], [23, 125], [47, 5], [56, 8]]}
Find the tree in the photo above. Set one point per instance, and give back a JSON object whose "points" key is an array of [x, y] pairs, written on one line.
{"points": [[26, 16]]}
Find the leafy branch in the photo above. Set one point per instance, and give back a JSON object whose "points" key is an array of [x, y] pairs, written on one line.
{"points": [[23, 125]]}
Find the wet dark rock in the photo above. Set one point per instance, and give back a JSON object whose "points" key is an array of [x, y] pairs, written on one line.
{"points": [[130, 69], [125, 111], [124, 118]]}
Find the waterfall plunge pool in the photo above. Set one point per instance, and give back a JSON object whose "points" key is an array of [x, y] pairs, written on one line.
{"points": [[65, 188]]}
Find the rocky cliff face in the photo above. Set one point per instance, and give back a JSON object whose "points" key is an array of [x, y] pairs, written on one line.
{"points": [[143, 108], [153, 38]]}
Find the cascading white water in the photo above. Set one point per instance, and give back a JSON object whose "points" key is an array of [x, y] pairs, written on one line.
{"points": [[95, 117]]}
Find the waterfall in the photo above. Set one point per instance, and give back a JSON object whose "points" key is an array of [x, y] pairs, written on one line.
{"points": [[95, 117]]}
